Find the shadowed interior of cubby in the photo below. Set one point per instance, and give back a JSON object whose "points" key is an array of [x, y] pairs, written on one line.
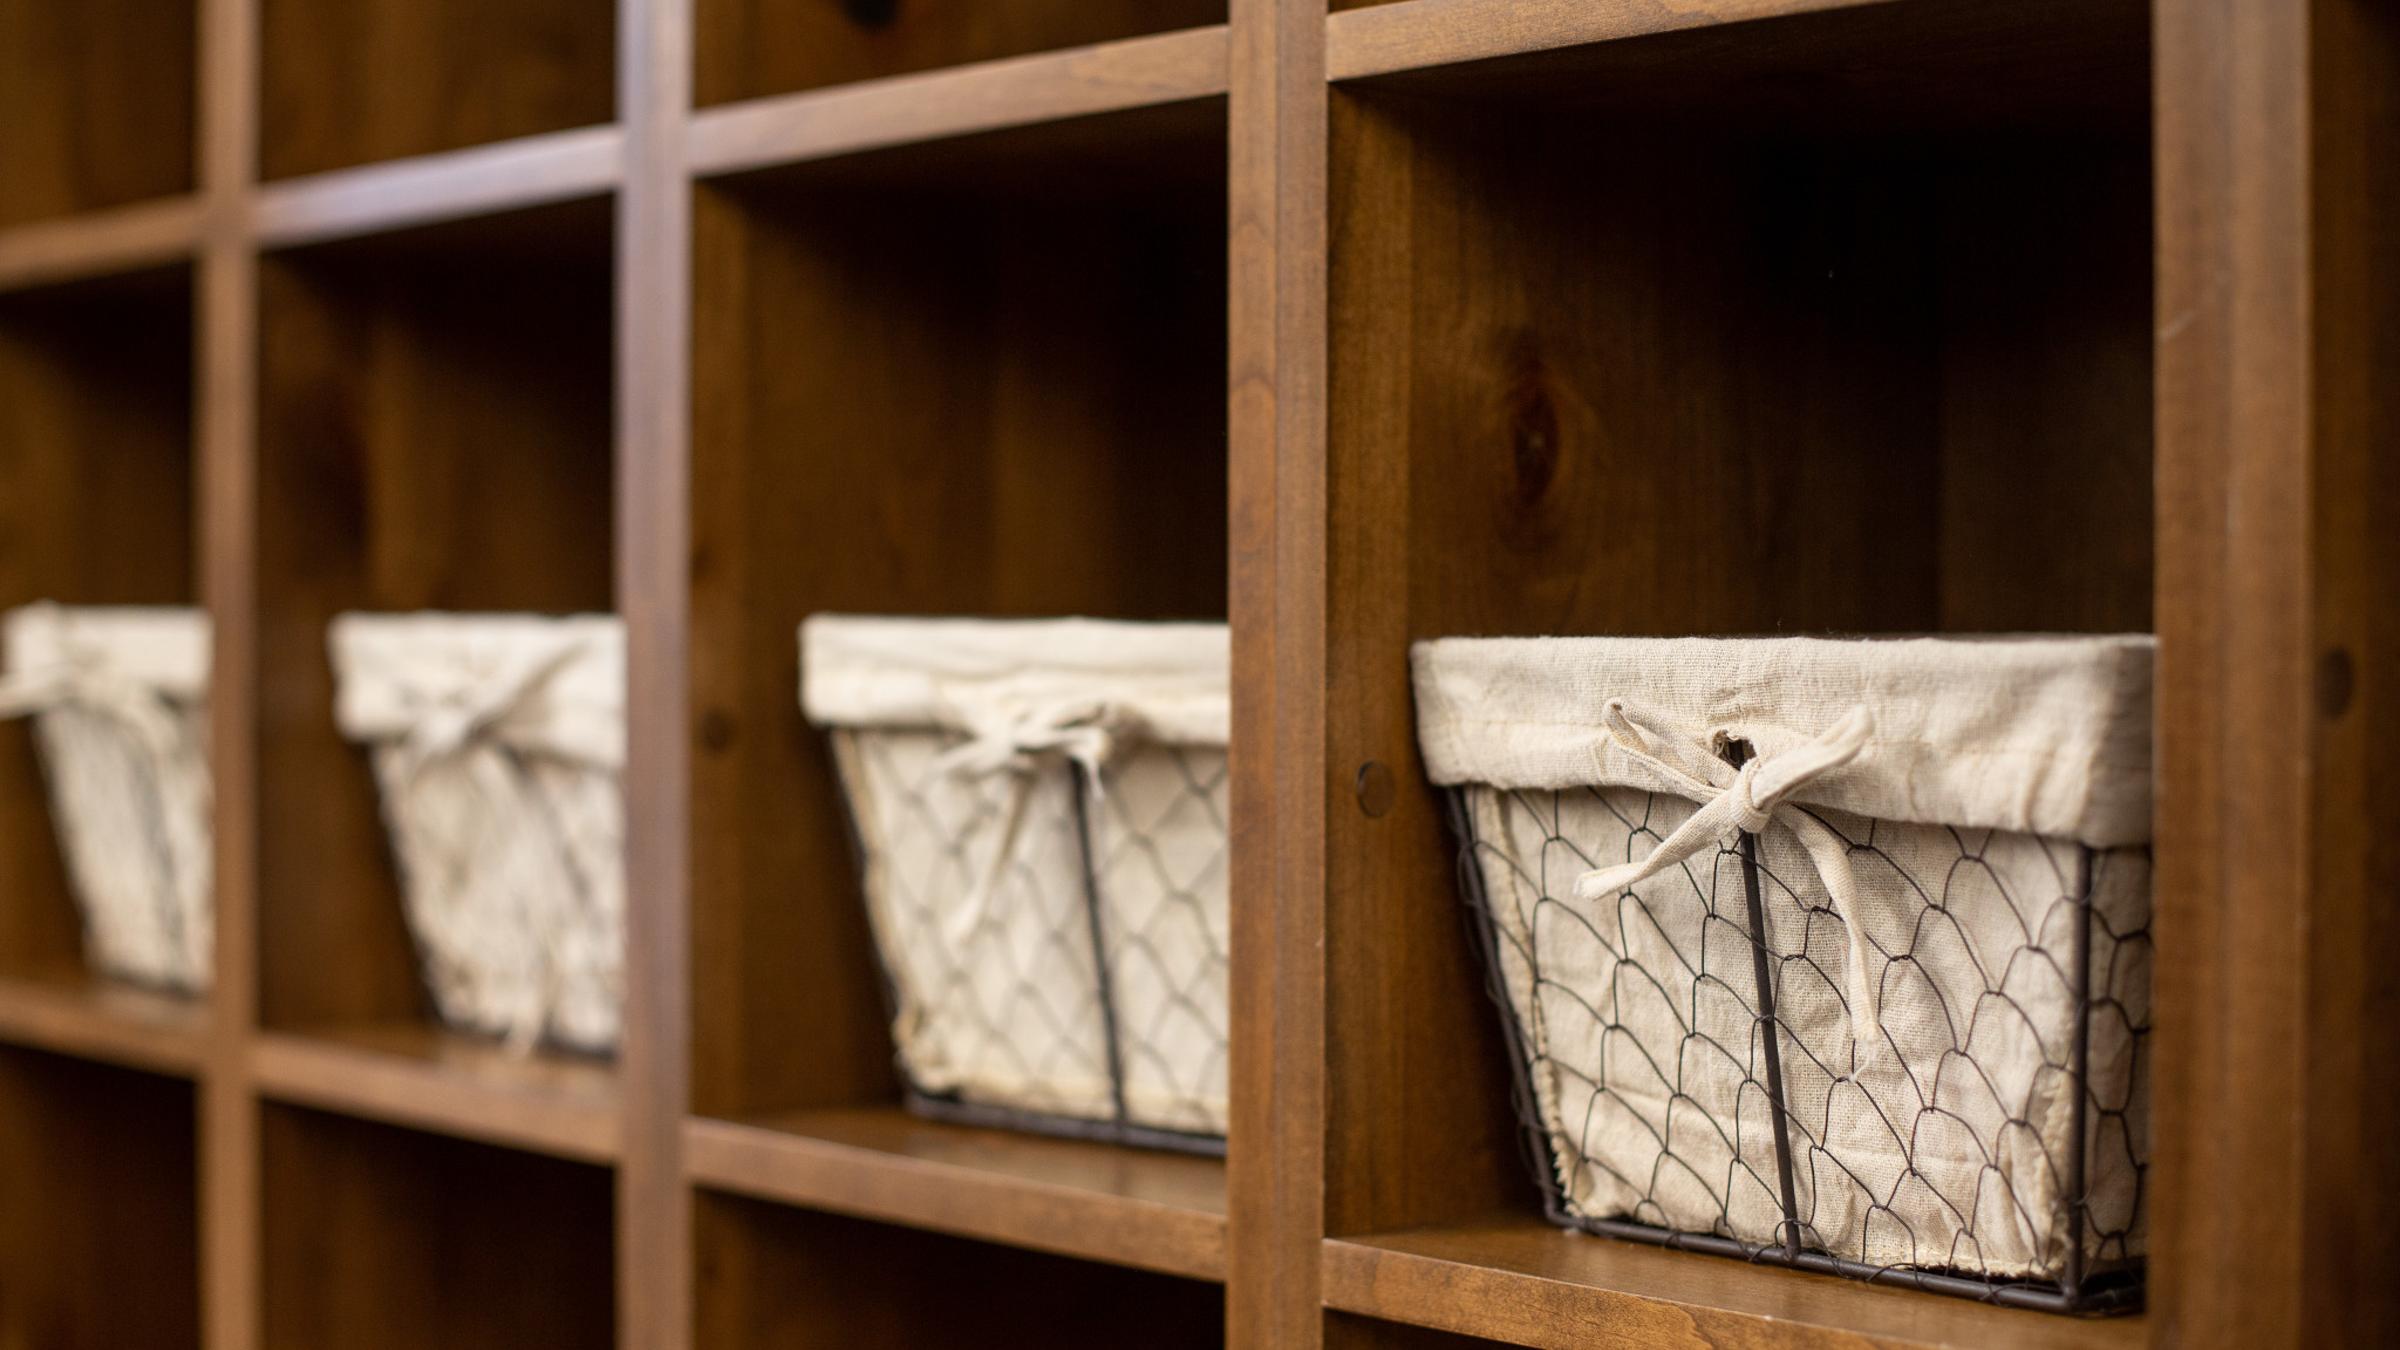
{"points": [[981, 378], [97, 107], [771, 1275], [434, 434], [751, 48], [442, 1242], [98, 1195], [96, 508], [1846, 329], [367, 80]]}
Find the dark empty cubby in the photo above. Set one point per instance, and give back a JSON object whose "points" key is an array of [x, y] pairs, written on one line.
{"points": [[750, 48], [1832, 323], [441, 1242], [97, 107], [96, 508], [982, 377], [766, 1275], [98, 1233], [1839, 327], [434, 434], [366, 80]]}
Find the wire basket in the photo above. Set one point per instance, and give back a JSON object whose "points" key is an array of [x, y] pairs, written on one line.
{"points": [[498, 747], [1040, 811], [1756, 1009], [117, 696]]}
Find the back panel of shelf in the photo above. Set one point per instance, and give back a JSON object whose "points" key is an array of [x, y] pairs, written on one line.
{"points": [[754, 48], [98, 1234], [96, 109], [365, 80], [376, 1236], [769, 1275]]}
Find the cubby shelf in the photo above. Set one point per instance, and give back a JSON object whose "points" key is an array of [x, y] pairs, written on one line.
{"points": [[99, 243], [70, 1013], [1154, 1211], [1351, 327]]}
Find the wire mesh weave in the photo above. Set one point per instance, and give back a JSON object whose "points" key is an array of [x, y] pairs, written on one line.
{"points": [[1686, 1070], [1054, 943], [498, 743], [513, 889]]}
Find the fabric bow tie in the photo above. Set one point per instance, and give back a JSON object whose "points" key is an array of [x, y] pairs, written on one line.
{"points": [[1083, 731], [1746, 800]]}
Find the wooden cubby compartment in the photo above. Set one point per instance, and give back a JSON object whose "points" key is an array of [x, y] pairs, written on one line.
{"points": [[97, 107], [358, 81], [1837, 323], [377, 1236], [98, 1233], [434, 434], [754, 48], [96, 508], [770, 1275], [982, 378]]}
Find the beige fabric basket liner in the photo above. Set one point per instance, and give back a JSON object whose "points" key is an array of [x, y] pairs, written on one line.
{"points": [[498, 744], [1983, 764], [118, 699], [956, 740]]}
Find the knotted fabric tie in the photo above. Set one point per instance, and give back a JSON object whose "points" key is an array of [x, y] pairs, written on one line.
{"points": [[139, 708], [1746, 800], [449, 727], [1084, 732], [450, 724]]}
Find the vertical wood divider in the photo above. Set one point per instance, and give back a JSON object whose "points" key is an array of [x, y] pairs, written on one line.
{"points": [[654, 235], [226, 378], [2274, 997], [1276, 199]]}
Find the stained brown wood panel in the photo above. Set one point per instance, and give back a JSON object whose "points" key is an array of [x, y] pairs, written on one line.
{"points": [[2276, 471], [96, 507], [439, 1242], [752, 48], [97, 107], [98, 1243], [434, 435], [996, 394], [364, 80]]}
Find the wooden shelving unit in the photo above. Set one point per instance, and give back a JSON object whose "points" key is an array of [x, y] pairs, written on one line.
{"points": [[1418, 317]]}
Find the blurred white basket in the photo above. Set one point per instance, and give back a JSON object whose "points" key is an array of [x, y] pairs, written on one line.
{"points": [[1041, 810], [117, 697], [499, 745]]}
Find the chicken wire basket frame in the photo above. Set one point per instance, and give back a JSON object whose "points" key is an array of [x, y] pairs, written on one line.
{"points": [[1037, 813], [2091, 695], [117, 695], [497, 745]]}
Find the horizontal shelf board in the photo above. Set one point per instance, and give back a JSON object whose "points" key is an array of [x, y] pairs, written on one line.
{"points": [[100, 243], [1516, 1279], [937, 105], [426, 1078], [1129, 1207], [71, 1013], [1418, 34], [484, 180]]}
